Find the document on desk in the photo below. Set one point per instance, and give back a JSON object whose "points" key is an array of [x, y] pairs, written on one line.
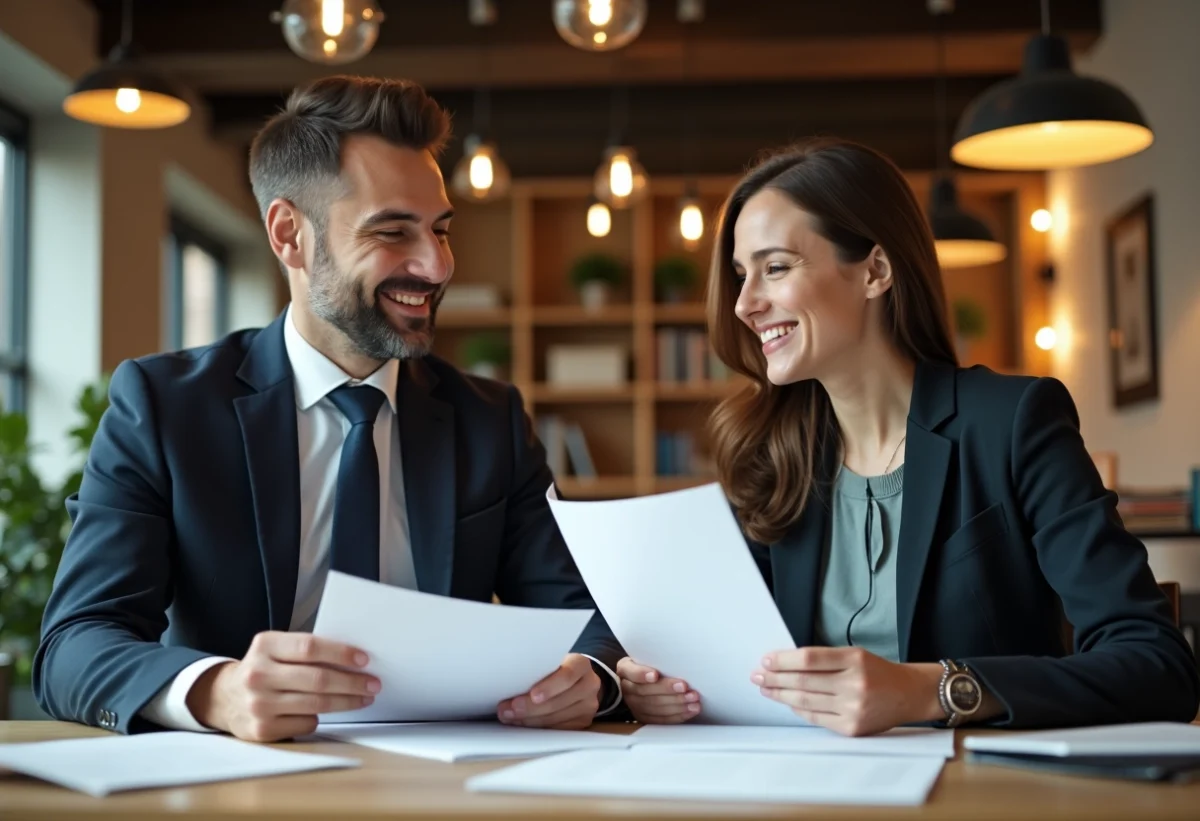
{"points": [[100, 766], [903, 741], [676, 582], [438, 658], [469, 741], [1148, 738], [646, 772]]}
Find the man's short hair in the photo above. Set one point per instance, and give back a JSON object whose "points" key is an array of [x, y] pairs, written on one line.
{"points": [[297, 154]]}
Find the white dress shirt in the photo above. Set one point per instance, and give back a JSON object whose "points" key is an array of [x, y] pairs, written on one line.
{"points": [[321, 429]]}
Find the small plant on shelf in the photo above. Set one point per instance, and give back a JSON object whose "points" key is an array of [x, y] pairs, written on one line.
{"points": [[675, 278], [594, 276], [970, 323], [486, 354]]}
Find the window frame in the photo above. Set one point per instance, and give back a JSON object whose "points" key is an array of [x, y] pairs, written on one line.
{"points": [[181, 233], [14, 360]]}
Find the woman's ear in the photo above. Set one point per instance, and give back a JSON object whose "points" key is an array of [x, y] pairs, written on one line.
{"points": [[879, 273]]}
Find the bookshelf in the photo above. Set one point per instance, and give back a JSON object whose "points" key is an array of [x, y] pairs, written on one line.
{"points": [[522, 247]]}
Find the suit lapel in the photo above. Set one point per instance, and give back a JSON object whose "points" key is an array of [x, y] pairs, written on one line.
{"points": [[926, 468], [428, 457], [796, 570], [268, 422]]}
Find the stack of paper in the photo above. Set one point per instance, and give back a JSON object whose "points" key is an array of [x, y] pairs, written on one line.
{"points": [[1151, 738], [469, 741], [99, 766], [498, 651], [647, 772]]}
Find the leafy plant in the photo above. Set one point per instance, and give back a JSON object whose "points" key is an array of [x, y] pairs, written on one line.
{"points": [[34, 524], [675, 274], [970, 320], [490, 348], [597, 267]]}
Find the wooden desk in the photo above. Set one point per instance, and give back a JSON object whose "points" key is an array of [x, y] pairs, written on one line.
{"points": [[396, 787]]}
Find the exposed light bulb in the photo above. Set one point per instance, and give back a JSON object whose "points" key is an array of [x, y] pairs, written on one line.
{"points": [[330, 48], [128, 100], [599, 220], [481, 174], [1046, 338], [333, 17], [691, 222], [599, 38], [600, 12], [1041, 220], [620, 176]]}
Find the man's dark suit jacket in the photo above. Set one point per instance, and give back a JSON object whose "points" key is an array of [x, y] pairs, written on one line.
{"points": [[186, 528], [1004, 515]]}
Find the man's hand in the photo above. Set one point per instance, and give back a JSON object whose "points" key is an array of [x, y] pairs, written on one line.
{"points": [[849, 690], [284, 682], [567, 699], [654, 699]]}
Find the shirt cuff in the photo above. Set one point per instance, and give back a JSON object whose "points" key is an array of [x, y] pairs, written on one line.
{"points": [[605, 709], [169, 707]]}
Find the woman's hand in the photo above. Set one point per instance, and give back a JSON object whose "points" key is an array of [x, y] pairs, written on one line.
{"points": [[654, 699], [850, 690]]}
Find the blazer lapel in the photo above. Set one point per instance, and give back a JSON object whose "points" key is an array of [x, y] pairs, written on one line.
{"points": [[926, 467], [428, 457], [268, 422]]}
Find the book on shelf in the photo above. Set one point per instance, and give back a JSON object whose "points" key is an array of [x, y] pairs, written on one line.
{"points": [[684, 355], [471, 296], [676, 455], [1155, 509], [567, 452]]}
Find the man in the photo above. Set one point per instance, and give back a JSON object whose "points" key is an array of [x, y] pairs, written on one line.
{"points": [[225, 482]]}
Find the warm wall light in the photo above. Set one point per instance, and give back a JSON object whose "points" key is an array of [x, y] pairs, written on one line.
{"points": [[1041, 220], [599, 219], [1046, 338]]}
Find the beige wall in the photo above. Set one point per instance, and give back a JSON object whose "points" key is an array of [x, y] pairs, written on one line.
{"points": [[100, 203], [1149, 50]]}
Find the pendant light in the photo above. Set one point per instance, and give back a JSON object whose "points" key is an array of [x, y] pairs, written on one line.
{"points": [[599, 219], [123, 93], [691, 214], [620, 180], [329, 32], [599, 25], [481, 174], [961, 239], [1049, 116]]}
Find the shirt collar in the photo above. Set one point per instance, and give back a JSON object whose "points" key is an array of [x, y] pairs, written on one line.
{"points": [[315, 376]]}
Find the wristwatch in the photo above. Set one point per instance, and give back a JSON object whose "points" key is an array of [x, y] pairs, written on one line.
{"points": [[959, 692]]}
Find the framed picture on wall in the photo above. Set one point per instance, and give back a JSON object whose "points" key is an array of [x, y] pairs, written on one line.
{"points": [[1132, 314]]}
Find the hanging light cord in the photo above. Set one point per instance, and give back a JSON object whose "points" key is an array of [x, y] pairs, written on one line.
{"points": [[940, 97], [127, 24], [1046, 17]]}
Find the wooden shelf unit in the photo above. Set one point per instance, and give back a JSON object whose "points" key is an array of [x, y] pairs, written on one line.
{"points": [[524, 245]]}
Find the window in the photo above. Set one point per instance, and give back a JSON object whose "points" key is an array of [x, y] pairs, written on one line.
{"points": [[197, 287], [14, 130]]}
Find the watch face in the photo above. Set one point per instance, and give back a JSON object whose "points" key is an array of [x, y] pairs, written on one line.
{"points": [[963, 693]]}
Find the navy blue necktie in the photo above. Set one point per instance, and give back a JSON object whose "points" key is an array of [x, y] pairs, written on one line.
{"points": [[355, 544]]}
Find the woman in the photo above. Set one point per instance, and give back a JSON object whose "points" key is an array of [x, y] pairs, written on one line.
{"points": [[917, 523]]}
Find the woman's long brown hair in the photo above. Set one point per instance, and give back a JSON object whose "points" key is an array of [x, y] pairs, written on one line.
{"points": [[770, 442]]}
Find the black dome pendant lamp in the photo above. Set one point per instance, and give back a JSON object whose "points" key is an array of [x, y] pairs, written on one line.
{"points": [[1049, 116], [961, 240], [123, 93]]}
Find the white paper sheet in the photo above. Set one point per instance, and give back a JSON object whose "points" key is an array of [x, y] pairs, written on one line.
{"points": [[469, 741], [646, 772], [99, 766], [903, 741], [1150, 738], [674, 578], [438, 658]]}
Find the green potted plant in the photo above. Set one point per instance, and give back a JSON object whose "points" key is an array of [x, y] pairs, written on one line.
{"points": [[594, 275], [970, 323], [675, 277], [486, 353], [33, 531]]}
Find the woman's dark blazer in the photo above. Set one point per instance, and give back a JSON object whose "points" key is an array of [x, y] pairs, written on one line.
{"points": [[1004, 515]]}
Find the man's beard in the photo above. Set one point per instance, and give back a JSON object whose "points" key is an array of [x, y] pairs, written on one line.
{"points": [[335, 297]]}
